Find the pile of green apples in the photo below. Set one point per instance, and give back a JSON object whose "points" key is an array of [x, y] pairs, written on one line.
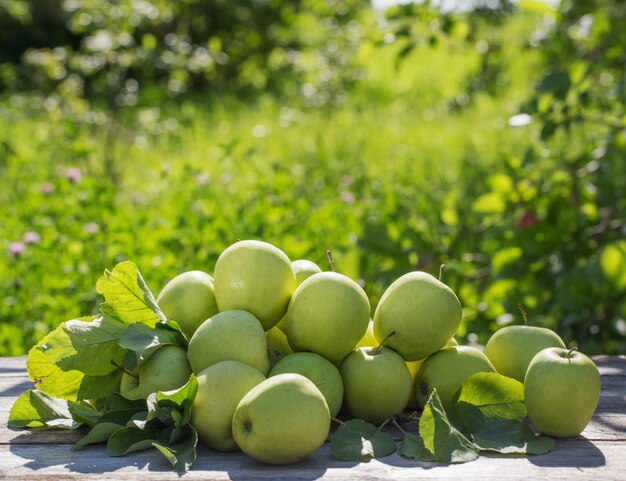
{"points": [[281, 348]]}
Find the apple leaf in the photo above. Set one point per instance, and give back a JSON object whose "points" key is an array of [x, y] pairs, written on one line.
{"points": [[356, 440], [181, 399], [497, 396], [144, 340], [467, 418], [443, 440], [84, 412], [510, 436], [130, 439], [98, 434], [182, 454], [412, 447], [127, 297], [73, 361], [35, 409]]}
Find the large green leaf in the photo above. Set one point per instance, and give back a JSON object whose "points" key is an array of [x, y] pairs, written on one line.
{"points": [[356, 440], [145, 340], [447, 443], [497, 396], [412, 447], [510, 436], [127, 297], [130, 439], [35, 409], [181, 454]]}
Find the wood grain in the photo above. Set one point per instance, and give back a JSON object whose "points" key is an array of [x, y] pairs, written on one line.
{"points": [[45, 455]]}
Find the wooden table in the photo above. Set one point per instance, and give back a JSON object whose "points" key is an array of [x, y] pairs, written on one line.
{"points": [[600, 453]]}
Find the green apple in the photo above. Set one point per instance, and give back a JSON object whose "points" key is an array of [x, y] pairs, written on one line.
{"points": [[446, 371], [368, 339], [277, 345], [377, 383], [257, 277], [414, 367], [303, 269], [165, 370], [417, 315], [282, 420], [511, 349], [230, 335], [189, 300], [561, 391], [328, 315], [323, 373], [220, 388]]}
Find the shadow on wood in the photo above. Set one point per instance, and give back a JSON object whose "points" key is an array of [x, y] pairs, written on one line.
{"points": [[577, 452]]}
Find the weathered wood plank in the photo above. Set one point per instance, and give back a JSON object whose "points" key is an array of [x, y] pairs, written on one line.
{"points": [[571, 460]]}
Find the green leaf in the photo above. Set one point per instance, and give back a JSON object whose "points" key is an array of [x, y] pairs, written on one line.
{"points": [[613, 262], [467, 418], [127, 296], [117, 402], [98, 434], [497, 396], [145, 340], [356, 440], [73, 361], [510, 436], [129, 439], [84, 413], [447, 444], [181, 454], [491, 203], [181, 399], [412, 447], [34, 409]]}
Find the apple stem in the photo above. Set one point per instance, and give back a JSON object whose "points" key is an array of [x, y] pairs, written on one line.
{"points": [[569, 353], [524, 314], [124, 370], [338, 421], [330, 260], [381, 345], [442, 268]]}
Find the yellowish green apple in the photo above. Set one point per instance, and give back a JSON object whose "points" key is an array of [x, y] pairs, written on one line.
{"points": [[282, 420], [417, 315], [303, 269], [257, 277], [446, 371], [328, 315], [322, 372], [377, 383], [561, 391], [368, 339], [220, 388], [230, 335], [511, 349], [277, 345], [189, 300], [165, 370]]}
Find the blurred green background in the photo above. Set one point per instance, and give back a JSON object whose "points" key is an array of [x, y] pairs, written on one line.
{"points": [[491, 138]]}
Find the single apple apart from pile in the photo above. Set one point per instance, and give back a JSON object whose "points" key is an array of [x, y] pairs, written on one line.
{"points": [[322, 372], [417, 315], [561, 391], [328, 314], [165, 370], [303, 269], [446, 371], [230, 335], [257, 277], [511, 348], [377, 383], [282, 420], [188, 299], [220, 388]]}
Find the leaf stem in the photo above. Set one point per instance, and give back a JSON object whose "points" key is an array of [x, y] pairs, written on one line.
{"points": [[442, 268], [524, 314], [330, 260], [338, 421], [569, 353], [386, 421], [124, 370], [397, 424]]}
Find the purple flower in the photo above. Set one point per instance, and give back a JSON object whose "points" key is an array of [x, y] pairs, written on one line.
{"points": [[46, 188], [73, 175], [16, 248], [347, 197], [92, 228], [32, 237]]}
